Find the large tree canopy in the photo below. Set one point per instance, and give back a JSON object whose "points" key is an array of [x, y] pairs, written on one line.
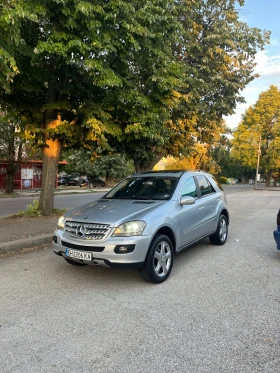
{"points": [[145, 78], [260, 127]]}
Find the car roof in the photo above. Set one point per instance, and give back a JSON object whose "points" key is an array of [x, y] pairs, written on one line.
{"points": [[174, 173]]}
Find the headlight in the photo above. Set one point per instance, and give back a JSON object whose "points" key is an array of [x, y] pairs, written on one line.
{"points": [[132, 228], [61, 223]]}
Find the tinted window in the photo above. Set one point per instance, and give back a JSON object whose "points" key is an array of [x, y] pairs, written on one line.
{"points": [[145, 188], [189, 188], [204, 186]]}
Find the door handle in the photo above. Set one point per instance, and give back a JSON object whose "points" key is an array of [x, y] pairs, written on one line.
{"points": [[201, 208]]}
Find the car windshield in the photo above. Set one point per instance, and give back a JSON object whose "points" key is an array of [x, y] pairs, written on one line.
{"points": [[146, 187]]}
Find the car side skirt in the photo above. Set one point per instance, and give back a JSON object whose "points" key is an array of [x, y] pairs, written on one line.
{"points": [[193, 242]]}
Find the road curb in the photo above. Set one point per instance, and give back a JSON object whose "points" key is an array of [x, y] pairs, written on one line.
{"points": [[25, 243]]}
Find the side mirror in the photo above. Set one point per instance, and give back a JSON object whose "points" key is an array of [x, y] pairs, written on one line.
{"points": [[187, 200]]}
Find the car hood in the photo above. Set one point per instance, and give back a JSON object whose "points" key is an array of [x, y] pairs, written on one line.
{"points": [[112, 211]]}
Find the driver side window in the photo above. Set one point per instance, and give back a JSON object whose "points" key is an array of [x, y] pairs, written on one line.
{"points": [[189, 188]]}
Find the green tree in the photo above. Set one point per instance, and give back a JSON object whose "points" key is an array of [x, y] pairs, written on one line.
{"points": [[12, 13], [215, 52], [11, 145], [113, 166], [260, 127], [143, 78], [78, 64], [110, 165]]}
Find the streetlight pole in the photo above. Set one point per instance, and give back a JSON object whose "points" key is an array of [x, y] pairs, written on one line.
{"points": [[258, 163]]}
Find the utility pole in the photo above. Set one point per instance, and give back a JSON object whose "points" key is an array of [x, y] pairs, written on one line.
{"points": [[258, 163]]}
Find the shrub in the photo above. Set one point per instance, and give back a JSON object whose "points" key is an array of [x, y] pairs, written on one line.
{"points": [[223, 180], [31, 210]]}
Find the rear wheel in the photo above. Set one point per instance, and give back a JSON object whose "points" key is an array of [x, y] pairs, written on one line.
{"points": [[221, 234], [73, 263], [159, 260]]}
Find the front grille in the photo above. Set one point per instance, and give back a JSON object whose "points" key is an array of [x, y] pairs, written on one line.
{"points": [[86, 231], [83, 248]]}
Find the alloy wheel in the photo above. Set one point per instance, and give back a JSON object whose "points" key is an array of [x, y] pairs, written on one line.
{"points": [[223, 229], [162, 259]]}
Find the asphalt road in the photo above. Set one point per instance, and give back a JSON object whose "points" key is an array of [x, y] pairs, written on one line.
{"points": [[9, 206], [217, 313]]}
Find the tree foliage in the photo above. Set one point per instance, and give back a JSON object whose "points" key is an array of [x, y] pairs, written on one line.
{"points": [[199, 159], [12, 13], [12, 141], [260, 127], [215, 52], [109, 166], [143, 78]]}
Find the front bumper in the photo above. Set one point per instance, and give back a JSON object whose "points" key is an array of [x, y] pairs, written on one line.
{"points": [[107, 257], [277, 237]]}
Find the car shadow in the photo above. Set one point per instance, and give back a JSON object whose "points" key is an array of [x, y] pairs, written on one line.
{"points": [[103, 277]]}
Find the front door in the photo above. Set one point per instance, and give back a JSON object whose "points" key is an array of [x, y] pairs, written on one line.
{"points": [[208, 199], [190, 216]]}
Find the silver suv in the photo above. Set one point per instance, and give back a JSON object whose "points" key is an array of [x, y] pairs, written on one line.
{"points": [[144, 221]]}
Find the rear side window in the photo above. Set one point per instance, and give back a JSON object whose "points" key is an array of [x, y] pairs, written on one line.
{"points": [[189, 188], [204, 185]]}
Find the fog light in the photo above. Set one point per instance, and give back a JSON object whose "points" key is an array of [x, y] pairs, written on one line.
{"points": [[55, 239], [124, 249]]}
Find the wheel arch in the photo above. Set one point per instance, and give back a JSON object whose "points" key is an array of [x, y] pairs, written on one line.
{"points": [[167, 231], [225, 212]]}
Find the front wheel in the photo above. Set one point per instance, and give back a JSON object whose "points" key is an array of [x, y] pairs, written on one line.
{"points": [[159, 260], [221, 234]]}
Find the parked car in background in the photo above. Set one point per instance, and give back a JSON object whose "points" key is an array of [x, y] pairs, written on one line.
{"points": [[144, 221], [75, 175], [277, 232], [96, 181], [67, 181]]}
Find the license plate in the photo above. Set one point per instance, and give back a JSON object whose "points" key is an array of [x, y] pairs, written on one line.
{"points": [[78, 254]]}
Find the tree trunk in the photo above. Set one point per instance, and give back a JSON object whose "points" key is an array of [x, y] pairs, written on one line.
{"points": [[267, 180], [143, 166], [50, 159], [9, 181], [11, 168], [108, 177], [137, 166]]}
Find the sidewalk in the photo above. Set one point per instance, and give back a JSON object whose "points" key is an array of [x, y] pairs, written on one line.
{"points": [[25, 232], [21, 233]]}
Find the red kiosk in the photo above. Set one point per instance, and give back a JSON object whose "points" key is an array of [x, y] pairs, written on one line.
{"points": [[29, 175]]}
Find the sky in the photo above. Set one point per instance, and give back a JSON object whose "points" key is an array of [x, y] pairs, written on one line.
{"points": [[263, 14]]}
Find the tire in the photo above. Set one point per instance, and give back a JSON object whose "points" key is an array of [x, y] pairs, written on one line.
{"points": [[221, 234], [73, 263], [159, 260]]}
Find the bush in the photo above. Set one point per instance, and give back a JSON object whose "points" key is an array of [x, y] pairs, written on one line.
{"points": [[31, 210], [223, 180]]}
